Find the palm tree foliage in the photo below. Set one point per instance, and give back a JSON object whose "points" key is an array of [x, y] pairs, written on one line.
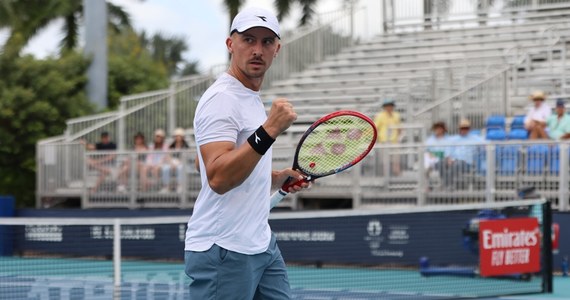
{"points": [[25, 18]]}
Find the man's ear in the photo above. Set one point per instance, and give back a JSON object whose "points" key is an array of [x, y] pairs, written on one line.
{"points": [[277, 51], [229, 44]]}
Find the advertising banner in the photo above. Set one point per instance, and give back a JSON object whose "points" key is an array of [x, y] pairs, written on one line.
{"points": [[509, 246]]}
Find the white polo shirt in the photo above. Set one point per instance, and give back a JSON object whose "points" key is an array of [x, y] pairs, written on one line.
{"points": [[236, 220], [538, 114]]}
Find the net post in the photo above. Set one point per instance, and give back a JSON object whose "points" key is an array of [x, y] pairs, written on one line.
{"points": [[547, 247], [117, 259]]}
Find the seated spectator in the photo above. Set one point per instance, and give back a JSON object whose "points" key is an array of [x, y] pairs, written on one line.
{"points": [[384, 120], [173, 161], [434, 152], [558, 124], [101, 162], [139, 145], [154, 160], [535, 120], [461, 157]]}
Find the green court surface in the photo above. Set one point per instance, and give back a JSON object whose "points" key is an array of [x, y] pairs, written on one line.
{"points": [[42, 278]]}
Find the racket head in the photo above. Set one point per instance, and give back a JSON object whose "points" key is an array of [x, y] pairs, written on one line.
{"points": [[335, 143]]}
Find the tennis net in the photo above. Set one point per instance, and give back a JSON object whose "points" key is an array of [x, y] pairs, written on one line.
{"points": [[412, 253]]}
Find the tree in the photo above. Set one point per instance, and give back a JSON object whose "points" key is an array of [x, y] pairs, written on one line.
{"points": [[169, 50], [131, 67], [36, 98], [25, 18]]}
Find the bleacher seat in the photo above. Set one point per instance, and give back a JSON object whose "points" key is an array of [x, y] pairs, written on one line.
{"points": [[517, 122], [497, 121], [518, 134], [536, 158], [507, 157], [554, 163], [496, 134]]}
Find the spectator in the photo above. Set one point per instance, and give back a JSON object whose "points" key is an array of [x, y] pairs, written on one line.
{"points": [[559, 124], [174, 162], [535, 120], [139, 145], [461, 158], [154, 160], [384, 121], [434, 152], [101, 162]]}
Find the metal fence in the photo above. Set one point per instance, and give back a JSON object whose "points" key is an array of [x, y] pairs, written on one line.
{"points": [[402, 174], [476, 103], [458, 173], [332, 32], [140, 179], [441, 14]]}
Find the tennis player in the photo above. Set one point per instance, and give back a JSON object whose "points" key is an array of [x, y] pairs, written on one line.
{"points": [[230, 252]]}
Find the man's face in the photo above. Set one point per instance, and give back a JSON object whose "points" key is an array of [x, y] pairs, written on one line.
{"points": [[560, 110], [537, 102], [464, 131], [439, 131], [253, 50], [389, 108], [105, 139]]}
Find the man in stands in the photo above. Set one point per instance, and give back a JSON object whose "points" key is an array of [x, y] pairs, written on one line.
{"points": [[559, 124], [460, 158], [535, 120], [102, 162]]}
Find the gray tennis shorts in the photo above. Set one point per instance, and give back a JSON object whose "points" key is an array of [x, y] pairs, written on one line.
{"points": [[222, 274]]}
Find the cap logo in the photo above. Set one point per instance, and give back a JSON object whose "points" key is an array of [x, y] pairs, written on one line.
{"points": [[264, 19]]}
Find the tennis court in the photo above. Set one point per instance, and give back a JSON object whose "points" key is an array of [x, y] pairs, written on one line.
{"points": [[412, 254], [36, 278]]}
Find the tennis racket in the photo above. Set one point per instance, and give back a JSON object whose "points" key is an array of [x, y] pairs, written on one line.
{"points": [[331, 145]]}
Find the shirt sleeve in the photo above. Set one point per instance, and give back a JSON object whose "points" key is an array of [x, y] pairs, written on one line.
{"points": [[216, 120]]}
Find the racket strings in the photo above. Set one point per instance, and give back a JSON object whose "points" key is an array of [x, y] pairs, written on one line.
{"points": [[334, 144]]}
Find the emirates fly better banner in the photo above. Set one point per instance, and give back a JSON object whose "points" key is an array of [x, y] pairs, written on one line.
{"points": [[509, 246]]}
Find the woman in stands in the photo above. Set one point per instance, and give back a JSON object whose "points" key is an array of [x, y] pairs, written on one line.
{"points": [[139, 145]]}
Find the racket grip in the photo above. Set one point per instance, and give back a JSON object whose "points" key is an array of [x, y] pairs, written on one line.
{"points": [[277, 197]]}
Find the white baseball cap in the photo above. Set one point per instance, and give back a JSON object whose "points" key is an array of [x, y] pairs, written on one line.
{"points": [[255, 17]]}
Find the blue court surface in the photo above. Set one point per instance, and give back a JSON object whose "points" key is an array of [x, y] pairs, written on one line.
{"points": [[80, 279]]}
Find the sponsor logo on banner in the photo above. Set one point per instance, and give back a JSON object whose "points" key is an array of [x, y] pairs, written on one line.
{"points": [[44, 233], [395, 235], [305, 236], [509, 246]]}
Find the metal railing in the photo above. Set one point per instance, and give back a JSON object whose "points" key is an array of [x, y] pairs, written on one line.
{"points": [[451, 172], [332, 32], [139, 179], [431, 14], [476, 103], [455, 173]]}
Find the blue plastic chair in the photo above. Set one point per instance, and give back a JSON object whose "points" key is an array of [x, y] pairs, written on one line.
{"points": [[507, 157], [518, 134], [554, 165], [536, 158], [496, 134], [497, 121], [517, 122]]}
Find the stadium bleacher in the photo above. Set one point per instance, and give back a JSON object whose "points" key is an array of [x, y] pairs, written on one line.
{"points": [[483, 72]]}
